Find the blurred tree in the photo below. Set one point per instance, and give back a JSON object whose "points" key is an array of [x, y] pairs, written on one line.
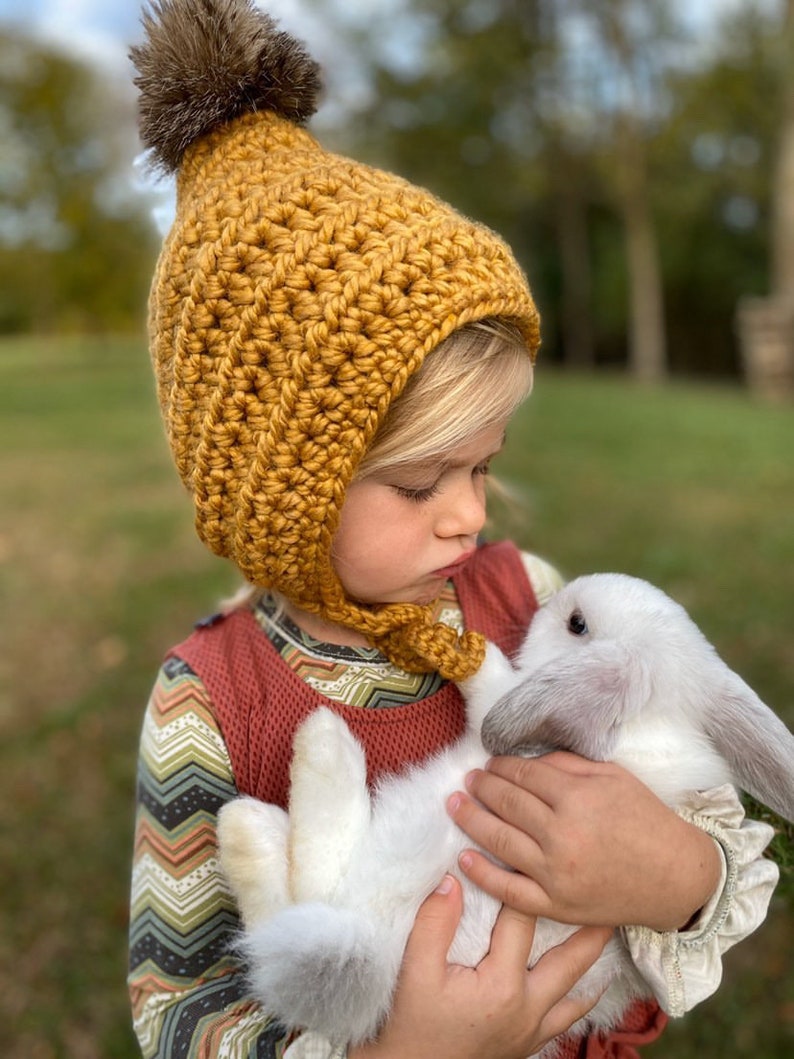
{"points": [[619, 149], [783, 200], [603, 106], [459, 115], [75, 246], [635, 39], [711, 162], [766, 325], [513, 104]]}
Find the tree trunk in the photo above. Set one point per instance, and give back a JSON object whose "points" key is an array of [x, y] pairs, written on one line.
{"points": [[766, 325], [783, 186], [647, 340], [576, 310]]}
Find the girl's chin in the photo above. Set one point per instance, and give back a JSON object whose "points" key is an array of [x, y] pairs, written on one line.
{"points": [[427, 594], [430, 597], [421, 597]]}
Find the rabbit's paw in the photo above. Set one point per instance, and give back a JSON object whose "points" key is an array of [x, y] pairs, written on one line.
{"points": [[252, 843], [329, 806]]}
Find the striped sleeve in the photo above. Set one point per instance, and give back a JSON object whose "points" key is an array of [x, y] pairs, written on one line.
{"points": [[187, 988]]}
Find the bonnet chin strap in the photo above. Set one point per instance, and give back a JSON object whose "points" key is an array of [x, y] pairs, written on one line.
{"points": [[421, 645], [406, 633]]}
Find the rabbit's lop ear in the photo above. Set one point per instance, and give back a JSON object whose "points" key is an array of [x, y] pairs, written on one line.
{"points": [[573, 703], [756, 744]]}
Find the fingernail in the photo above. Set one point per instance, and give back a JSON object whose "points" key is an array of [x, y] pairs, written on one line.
{"points": [[445, 886], [465, 860], [453, 803], [470, 777]]}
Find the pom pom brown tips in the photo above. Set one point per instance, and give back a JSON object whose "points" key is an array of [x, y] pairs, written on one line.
{"points": [[205, 62]]}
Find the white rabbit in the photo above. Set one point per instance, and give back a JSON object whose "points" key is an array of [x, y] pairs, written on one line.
{"points": [[611, 669]]}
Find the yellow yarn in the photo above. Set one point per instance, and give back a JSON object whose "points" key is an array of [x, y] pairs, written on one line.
{"points": [[295, 295]]}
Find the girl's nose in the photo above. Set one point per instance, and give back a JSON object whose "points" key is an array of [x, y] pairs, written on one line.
{"points": [[463, 514]]}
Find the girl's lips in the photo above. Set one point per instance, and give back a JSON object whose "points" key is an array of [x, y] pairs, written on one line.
{"points": [[452, 568]]}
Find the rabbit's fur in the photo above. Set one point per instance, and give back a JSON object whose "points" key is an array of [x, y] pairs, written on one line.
{"points": [[611, 669]]}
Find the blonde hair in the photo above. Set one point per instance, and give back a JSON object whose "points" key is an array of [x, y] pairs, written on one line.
{"points": [[479, 375]]}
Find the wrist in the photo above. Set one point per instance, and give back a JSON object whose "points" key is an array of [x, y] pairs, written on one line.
{"points": [[698, 872]]}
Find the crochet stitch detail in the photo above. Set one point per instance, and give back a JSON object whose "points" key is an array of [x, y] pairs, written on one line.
{"points": [[295, 295]]}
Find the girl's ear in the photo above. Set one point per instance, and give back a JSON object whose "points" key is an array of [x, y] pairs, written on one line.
{"points": [[756, 744], [573, 703]]}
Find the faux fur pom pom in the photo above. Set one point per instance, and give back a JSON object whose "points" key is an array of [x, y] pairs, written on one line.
{"points": [[204, 62]]}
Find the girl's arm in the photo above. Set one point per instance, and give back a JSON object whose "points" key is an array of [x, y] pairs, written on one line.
{"points": [[592, 844], [188, 991]]}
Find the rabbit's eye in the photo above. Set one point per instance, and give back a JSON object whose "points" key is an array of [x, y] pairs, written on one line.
{"points": [[576, 623]]}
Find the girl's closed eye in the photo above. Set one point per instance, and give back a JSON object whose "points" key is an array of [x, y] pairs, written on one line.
{"points": [[421, 494], [418, 494]]}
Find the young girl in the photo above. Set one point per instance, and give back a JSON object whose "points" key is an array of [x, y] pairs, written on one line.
{"points": [[338, 355]]}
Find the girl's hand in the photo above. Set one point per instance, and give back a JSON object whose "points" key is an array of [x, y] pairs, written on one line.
{"points": [[590, 844], [499, 1008]]}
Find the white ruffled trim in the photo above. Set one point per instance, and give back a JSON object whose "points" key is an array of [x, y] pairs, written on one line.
{"points": [[313, 1046], [685, 967]]}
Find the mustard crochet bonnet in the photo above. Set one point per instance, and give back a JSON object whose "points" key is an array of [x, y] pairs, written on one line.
{"points": [[295, 295]]}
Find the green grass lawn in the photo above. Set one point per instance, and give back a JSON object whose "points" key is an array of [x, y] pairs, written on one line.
{"points": [[100, 572]]}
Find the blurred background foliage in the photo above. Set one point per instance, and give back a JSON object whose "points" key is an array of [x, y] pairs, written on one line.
{"points": [[636, 157], [639, 159], [76, 245]]}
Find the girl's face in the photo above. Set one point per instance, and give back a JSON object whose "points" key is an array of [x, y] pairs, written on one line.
{"points": [[403, 532]]}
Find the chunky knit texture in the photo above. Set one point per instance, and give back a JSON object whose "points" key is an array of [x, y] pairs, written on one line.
{"points": [[294, 297]]}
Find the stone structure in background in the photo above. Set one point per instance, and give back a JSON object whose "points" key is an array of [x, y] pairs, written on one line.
{"points": [[766, 325], [766, 340]]}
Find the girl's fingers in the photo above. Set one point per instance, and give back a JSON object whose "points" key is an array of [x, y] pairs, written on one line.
{"points": [[518, 891], [523, 796], [511, 940], [435, 926], [511, 841], [540, 779], [483, 821], [559, 1019], [558, 971], [538, 772], [565, 964]]}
